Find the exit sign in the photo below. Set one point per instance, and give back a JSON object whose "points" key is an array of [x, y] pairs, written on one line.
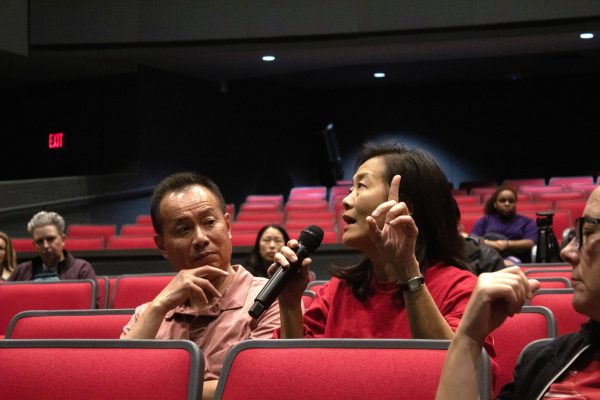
{"points": [[55, 140]]}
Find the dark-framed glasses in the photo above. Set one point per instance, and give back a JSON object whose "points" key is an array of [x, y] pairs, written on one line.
{"points": [[579, 224]]}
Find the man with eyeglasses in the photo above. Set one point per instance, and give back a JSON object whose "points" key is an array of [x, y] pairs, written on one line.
{"points": [[53, 263], [568, 367]]}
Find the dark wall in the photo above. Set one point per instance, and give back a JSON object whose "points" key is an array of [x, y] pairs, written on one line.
{"points": [[258, 137]]}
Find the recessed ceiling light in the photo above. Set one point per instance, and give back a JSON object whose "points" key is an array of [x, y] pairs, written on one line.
{"points": [[379, 75], [268, 58], [586, 35]]}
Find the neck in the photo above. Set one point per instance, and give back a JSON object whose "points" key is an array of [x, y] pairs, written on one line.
{"points": [[382, 271]]}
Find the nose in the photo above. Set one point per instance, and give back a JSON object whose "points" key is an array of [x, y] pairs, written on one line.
{"points": [[570, 253], [347, 201], [200, 238]]}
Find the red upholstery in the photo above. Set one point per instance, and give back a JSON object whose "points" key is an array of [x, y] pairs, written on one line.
{"points": [[483, 191], [467, 199], [586, 188], [559, 282], [549, 273], [517, 183], [84, 243], [316, 216], [271, 217], [131, 242], [100, 369], [560, 302], [22, 244], [349, 369], [243, 238], [471, 208], [561, 220], [265, 198], [132, 290], [469, 220], [308, 193], [61, 295], [523, 207], [69, 324], [246, 226], [299, 224], [137, 230], [92, 230], [555, 196], [271, 207], [544, 266], [534, 190], [566, 181], [509, 339], [575, 206], [318, 205], [144, 219]]}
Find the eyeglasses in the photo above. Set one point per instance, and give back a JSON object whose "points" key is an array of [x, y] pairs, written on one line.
{"points": [[579, 223]]}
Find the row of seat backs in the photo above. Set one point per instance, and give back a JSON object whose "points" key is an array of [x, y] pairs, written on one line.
{"points": [[531, 323], [101, 369], [74, 243], [123, 291]]}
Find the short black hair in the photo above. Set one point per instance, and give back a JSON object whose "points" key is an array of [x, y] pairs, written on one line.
{"points": [[176, 182]]}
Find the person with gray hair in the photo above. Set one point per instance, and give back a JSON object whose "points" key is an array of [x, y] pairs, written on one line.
{"points": [[53, 263]]}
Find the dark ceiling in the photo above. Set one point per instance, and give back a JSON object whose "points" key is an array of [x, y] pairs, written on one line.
{"points": [[516, 51]]}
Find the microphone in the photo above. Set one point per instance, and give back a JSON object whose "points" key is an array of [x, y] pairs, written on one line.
{"points": [[309, 240]]}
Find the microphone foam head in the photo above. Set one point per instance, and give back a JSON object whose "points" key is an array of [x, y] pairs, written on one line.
{"points": [[311, 238]]}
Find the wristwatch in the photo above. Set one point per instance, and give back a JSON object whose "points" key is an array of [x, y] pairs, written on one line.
{"points": [[413, 285]]}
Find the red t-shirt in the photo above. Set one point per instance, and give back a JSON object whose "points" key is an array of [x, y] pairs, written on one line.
{"points": [[579, 383], [336, 313]]}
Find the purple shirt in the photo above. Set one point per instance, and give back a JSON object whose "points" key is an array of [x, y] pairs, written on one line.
{"points": [[517, 228]]}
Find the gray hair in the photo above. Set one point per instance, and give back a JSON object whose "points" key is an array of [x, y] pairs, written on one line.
{"points": [[44, 218]]}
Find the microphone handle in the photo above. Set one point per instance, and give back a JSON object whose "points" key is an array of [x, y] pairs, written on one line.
{"points": [[275, 285]]}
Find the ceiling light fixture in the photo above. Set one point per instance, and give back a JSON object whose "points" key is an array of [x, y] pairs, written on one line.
{"points": [[586, 35], [268, 58], [379, 75]]}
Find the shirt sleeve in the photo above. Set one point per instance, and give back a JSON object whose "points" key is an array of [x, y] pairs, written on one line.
{"points": [[268, 322], [479, 227], [134, 318], [530, 229], [315, 316]]}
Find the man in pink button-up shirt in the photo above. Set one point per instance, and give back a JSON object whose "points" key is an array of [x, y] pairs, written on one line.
{"points": [[208, 300]]}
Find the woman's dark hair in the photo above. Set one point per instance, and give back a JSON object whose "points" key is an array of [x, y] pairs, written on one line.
{"points": [[10, 258], [255, 263], [427, 193], [489, 204]]}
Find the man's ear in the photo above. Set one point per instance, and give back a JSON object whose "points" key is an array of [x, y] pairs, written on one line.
{"points": [[228, 224], [160, 243]]}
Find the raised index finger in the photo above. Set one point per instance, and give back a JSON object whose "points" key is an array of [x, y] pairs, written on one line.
{"points": [[394, 188]]}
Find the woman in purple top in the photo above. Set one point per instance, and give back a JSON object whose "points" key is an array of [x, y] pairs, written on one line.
{"points": [[512, 234]]}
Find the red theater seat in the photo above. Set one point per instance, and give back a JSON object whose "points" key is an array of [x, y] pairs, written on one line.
{"points": [[515, 333], [132, 290], [105, 231], [84, 243], [131, 242], [61, 295], [143, 219], [560, 302], [137, 230], [100, 369], [69, 324], [349, 369]]}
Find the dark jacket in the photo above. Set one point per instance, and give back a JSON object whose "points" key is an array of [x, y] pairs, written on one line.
{"points": [[67, 269], [544, 363], [481, 257]]}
